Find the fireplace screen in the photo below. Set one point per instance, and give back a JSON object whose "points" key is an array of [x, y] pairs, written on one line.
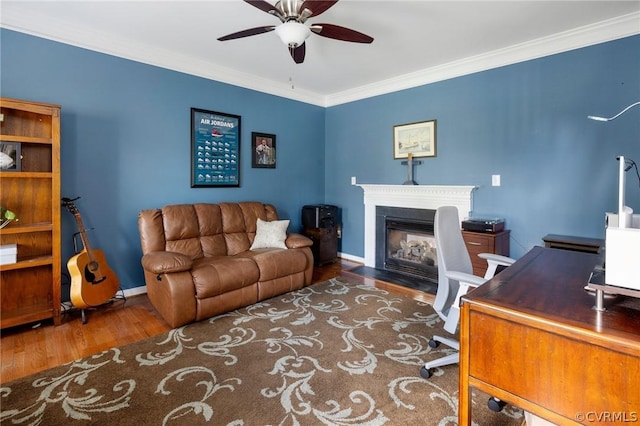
{"points": [[411, 248]]}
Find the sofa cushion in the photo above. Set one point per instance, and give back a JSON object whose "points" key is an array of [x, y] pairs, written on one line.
{"points": [[276, 263], [210, 226], [270, 234], [213, 276], [181, 230], [234, 228]]}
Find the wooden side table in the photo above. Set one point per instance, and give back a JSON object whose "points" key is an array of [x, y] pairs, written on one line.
{"points": [[485, 242]]}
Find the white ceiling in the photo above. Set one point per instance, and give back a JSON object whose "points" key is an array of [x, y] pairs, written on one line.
{"points": [[416, 42]]}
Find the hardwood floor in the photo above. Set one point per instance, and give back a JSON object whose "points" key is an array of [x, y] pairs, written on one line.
{"points": [[36, 347]]}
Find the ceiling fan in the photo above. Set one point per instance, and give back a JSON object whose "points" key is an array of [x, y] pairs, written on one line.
{"points": [[292, 30]]}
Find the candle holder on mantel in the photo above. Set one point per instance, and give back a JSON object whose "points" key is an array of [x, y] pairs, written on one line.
{"points": [[410, 163]]}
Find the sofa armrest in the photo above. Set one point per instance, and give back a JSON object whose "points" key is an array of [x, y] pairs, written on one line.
{"points": [[164, 262], [297, 241]]}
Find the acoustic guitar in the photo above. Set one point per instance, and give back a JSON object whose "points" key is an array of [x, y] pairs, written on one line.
{"points": [[93, 282]]}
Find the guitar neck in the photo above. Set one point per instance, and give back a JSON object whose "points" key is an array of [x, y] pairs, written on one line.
{"points": [[83, 237]]}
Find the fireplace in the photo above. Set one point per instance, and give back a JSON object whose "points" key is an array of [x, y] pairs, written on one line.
{"points": [[411, 204], [405, 243], [411, 249]]}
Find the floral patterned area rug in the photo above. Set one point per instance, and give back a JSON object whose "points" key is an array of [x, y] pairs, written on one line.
{"points": [[334, 353]]}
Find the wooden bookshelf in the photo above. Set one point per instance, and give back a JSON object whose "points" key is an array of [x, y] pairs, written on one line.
{"points": [[31, 288]]}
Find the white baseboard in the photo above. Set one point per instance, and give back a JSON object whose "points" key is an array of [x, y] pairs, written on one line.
{"points": [[136, 291], [351, 257]]}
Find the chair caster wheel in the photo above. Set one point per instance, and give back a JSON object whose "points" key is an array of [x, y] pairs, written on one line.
{"points": [[433, 343], [495, 404], [425, 372]]}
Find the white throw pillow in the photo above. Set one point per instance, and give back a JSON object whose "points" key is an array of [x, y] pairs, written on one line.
{"points": [[270, 234]]}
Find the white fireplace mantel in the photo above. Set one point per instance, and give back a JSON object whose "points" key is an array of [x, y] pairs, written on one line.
{"points": [[409, 196]]}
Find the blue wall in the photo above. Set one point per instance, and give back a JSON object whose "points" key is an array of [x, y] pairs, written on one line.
{"points": [[526, 122], [126, 141]]}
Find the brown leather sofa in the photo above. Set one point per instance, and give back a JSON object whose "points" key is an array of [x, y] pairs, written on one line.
{"points": [[197, 260]]}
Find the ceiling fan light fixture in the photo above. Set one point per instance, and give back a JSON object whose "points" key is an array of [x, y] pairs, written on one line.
{"points": [[293, 33]]}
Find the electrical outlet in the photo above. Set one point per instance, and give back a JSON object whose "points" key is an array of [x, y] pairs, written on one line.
{"points": [[495, 180], [353, 180]]}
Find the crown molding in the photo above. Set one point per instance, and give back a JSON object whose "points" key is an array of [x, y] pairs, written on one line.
{"points": [[612, 29], [87, 38]]}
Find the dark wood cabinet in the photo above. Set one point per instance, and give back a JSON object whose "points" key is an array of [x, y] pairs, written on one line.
{"points": [[567, 242], [325, 244], [484, 242]]}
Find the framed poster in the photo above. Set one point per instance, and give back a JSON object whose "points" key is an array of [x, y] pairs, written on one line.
{"points": [[215, 148], [264, 150], [417, 139]]}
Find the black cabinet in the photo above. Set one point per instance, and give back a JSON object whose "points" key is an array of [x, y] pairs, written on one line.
{"points": [[325, 244], [321, 224]]}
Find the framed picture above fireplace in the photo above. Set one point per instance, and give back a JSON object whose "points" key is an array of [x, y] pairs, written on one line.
{"points": [[413, 140]]}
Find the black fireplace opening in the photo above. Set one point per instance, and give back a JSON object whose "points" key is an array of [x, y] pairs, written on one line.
{"points": [[406, 247], [410, 248]]}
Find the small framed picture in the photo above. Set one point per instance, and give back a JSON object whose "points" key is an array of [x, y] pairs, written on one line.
{"points": [[10, 156], [417, 139], [264, 150]]}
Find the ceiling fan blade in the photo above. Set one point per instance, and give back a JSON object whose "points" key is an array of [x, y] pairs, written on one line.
{"points": [[297, 53], [317, 6], [247, 33], [340, 33], [264, 6]]}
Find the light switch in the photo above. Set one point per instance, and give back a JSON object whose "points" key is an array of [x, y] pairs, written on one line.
{"points": [[495, 180]]}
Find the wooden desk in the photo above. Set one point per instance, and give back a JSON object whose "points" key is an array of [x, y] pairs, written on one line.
{"points": [[531, 338]]}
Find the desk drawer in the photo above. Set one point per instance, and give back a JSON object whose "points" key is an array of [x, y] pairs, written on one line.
{"points": [[479, 242], [559, 370]]}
